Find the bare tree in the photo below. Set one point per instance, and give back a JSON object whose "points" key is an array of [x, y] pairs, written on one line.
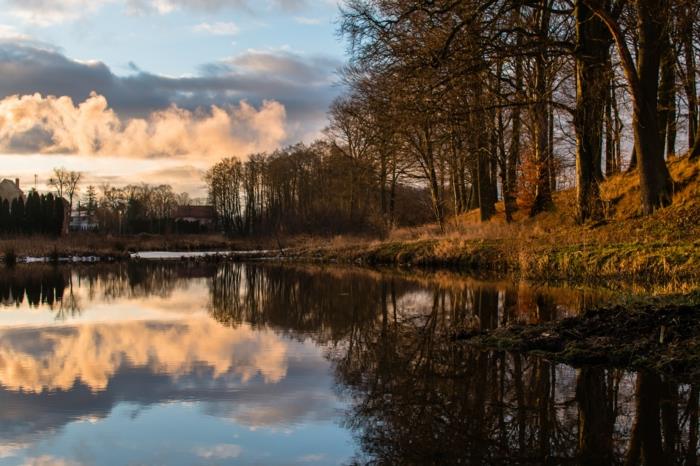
{"points": [[65, 183]]}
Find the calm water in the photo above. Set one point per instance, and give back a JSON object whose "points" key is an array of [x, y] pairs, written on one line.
{"points": [[268, 365]]}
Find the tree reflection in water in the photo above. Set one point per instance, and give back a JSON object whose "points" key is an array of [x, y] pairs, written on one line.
{"points": [[415, 396]]}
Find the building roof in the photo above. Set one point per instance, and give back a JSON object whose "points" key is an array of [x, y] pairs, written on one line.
{"points": [[201, 212], [9, 190]]}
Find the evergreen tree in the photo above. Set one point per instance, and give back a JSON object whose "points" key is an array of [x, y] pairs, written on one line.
{"points": [[49, 209], [33, 213], [17, 215], [59, 215], [4, 216]]}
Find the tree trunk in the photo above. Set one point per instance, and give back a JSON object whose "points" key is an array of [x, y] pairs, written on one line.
{"points": [[485, 189], [610, 168], [655, 181], [543, 194], [695, 151], [690, 81], [617, 129], [510, 193], [656, 185], [672, 130], [592, 78], [666, 88]]}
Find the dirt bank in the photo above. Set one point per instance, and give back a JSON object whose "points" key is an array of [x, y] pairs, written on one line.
{"points": [[662, 337]]}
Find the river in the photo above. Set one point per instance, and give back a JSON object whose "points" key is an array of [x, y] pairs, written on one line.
{"points": [[188, 363]]}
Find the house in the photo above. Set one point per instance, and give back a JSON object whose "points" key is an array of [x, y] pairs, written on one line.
{"points": [[195, 218], [81, 220], [10, 190]]}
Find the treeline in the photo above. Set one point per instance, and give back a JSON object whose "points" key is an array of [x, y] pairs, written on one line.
{"points": [[39, 214], [132, 209], [309, 189], [487, 98]]}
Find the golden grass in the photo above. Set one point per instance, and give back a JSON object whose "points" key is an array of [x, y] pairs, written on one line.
{"points": [[663, 248]]}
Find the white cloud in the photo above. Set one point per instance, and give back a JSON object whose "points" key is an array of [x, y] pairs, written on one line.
{"points": [[8, 32], [219, 452], [48, 12], [303, 84], [307, 21], [11, 449], [38, 124], [218, 28]]}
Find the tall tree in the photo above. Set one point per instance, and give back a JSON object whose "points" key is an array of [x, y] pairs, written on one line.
{"points": [[593, 41], [652, 19]]}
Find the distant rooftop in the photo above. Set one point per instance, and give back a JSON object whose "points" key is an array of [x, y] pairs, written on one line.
{"points": [[10, 189]]}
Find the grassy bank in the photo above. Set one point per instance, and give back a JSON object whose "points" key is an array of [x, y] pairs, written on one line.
{"points": [[660, 248]]}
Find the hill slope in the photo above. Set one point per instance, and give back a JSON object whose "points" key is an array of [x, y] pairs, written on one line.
{"points": [[659, 248]]}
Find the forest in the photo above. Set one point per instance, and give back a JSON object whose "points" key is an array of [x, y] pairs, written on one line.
{"points": [[451, 106]]}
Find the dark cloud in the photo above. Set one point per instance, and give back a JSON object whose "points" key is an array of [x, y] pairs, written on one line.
{"points": [[304, 85]]}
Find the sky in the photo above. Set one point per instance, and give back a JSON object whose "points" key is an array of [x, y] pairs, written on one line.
{"points": [[131, 91]]}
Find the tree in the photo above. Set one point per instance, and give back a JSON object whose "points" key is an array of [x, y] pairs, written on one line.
{"points": [[65, 183], [593, 42], [652, 20], [5, 219], [91, 200], [17, 215]]}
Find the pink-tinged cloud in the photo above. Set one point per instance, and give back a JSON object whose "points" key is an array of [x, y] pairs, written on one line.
{"points": [[53, 125]]}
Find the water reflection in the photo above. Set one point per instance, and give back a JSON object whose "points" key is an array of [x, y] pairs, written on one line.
{"points": [[199, 364]]}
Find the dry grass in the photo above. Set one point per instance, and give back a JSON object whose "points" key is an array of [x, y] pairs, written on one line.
{"points": [[662, 248]]}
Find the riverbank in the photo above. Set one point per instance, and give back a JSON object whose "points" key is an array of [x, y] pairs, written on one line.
{"points": [[661, 249], [662, 336]]}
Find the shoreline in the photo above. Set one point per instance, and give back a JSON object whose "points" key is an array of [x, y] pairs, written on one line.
{"points": [[674, 264], [662, 337]]}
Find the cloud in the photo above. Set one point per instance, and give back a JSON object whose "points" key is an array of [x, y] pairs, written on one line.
{"points": [[219, 452], [303, 85], [49, 12], [8, 32], [38, 124], [307, 21], [218, 29], [11, 449], [56, 359]]}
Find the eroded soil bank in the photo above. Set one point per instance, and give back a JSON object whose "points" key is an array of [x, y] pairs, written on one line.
{"points": [[661, 336]]}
